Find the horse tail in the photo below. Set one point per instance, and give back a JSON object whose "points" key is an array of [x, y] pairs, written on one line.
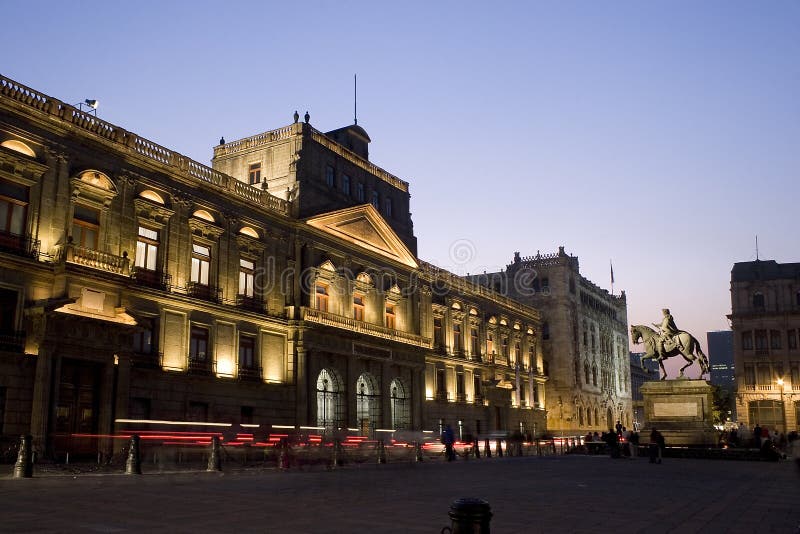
{"points": [[701, 355]]}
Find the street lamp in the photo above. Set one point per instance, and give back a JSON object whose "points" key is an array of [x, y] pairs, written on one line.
{"points": [[783, 408]]}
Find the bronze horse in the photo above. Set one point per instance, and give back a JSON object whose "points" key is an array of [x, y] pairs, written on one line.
{"points": [[683, 344]]}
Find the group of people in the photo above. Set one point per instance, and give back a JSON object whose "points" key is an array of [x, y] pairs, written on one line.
{"points": [[620, 441], [772, 445]]}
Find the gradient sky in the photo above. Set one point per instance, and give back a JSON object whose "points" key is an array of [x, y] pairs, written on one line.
{"points": [[661, 135]]}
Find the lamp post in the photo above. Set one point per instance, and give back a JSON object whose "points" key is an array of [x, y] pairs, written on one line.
{"points": [[783, 408]]}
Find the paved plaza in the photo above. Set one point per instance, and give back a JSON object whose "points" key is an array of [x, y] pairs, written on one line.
{"points": [[528, 494]]}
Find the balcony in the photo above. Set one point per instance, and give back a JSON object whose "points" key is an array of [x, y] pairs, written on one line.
{"points": [[199, 367], [152, 279], [19, 245], [204, 292], [250, 374], [441, 396], [764, 387], [102, 261], [12, 341], [252, 304], [151, 360], [461, 397], [361, 327]]}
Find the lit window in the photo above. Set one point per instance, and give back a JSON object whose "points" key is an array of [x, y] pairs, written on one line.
{"points": [[390, 316], [358, 307], [489, 343], [147, 249], [246, 277], [321, 291], [85, 227], [254, 173], [346, 184], [201, 263], [13, 208], [330, 176]]}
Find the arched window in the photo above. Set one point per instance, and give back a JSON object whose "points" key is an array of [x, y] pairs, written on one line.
{"points": [[18, 146], [368, 403], [596, 417], [609, 419], [152, 196], [588, 417], [580, 415], [594, 375], [330, 400], [586, 373], [401, 419]]}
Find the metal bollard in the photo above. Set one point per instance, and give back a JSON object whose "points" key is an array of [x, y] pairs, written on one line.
{"points": [[469, 516], [538, 448], [24, 466], [283, 455], [418, 452], [381, 453], [336, 453], [477, 448], [499, 448], [133, 465], [214, 459], [488, 450]]}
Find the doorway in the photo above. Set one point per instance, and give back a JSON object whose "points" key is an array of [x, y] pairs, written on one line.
{"points": [[76, 417]]}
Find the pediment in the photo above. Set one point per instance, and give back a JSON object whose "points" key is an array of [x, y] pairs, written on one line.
{"points": [[363, 226]]}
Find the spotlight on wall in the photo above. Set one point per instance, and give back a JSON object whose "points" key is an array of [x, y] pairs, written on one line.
{"points": [[91, 104]]}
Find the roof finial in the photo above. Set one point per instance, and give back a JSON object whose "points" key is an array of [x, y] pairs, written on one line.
{"points": [[296, 116], [307, 117], [222, 140]]}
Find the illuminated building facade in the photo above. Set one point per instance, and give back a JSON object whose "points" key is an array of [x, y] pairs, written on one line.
{"points": [[279, 286], [584, 338], [765, 319]]}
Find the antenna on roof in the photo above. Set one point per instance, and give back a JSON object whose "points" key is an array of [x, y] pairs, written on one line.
{"points": [[355, 99], [756, 247]]}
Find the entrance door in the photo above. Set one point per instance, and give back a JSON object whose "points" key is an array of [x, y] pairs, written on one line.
{"points": [[78, 403]]}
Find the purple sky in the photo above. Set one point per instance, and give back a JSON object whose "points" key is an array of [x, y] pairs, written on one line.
{"points": [[662, 135]]}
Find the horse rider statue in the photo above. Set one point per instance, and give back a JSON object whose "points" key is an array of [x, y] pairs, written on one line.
{"points": [[668, 339]]}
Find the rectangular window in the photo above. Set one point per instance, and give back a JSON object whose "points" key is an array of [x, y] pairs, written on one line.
{"points": [[791, 339], [775, 339], [246, 415], [198, 344], [254, 173], [346, 185], [85, 227], [246, 277], [764, 375], [147, 249], [489, 343], [437, 332], [476, 386], [360, 192], [505, 347], [198, 412], [474, 347], [749, 375], [13, 208], [761, 339], [247, 350], [143, 339], [460, 387], [201, 263], [441, 384], [390, 316], [139, 408], [330, 176], [456, 337], [747, 340], [8, 310], [321, 297], [795, 370], [387, 207], [358, 307], [376, 200]]}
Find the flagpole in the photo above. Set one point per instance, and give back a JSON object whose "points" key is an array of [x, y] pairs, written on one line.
{"points": [[612, 277]]}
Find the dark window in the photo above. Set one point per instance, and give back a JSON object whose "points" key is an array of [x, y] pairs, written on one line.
{"points": [[774, 339], [198, 411], [504, 346], [545, 285], [143, 339], [246, 415], [387, 207], [476, 386], [254, 173], [139, 408], [747, 340], [8, 310], [85, 227], [546, 331], [198, 344], [791, 338], [13, 208], [473, 341], [346, 184], [460, 388], [761, 339], [437, 332], [247, 349], [441, 384], [456, 337], [758, 301], [376, 200], [360, 192], [330, 176], [797, 298]]}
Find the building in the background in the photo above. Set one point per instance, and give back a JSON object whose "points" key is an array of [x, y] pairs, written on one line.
{"points": [[641, 372], [720, 357], [585, 339], [280, 287], [765, 319]]}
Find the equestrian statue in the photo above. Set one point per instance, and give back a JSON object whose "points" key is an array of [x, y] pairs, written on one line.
{"points": [[667, 341]]}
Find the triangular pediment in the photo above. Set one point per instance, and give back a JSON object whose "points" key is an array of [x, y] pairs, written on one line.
{"points": [[364, 227]]}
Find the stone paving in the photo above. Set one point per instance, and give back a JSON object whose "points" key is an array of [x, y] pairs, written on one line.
{"points": [[527, 495]]}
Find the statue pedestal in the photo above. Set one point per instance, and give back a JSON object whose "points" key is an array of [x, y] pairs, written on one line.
{"points": [[681, 411]]}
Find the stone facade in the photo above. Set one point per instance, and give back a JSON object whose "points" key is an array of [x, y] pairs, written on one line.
{"points": [[765, 319], [585, 341], [137, 285]]}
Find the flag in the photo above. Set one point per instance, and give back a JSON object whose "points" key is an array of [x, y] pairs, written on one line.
{"points": [[612, 272]]}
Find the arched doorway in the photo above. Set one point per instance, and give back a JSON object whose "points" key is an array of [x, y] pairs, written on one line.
{"points": [[609, 419], [330, 400], [401, 415], [368, 403]]}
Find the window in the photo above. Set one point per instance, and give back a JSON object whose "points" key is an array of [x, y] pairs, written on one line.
{"points": [[517, 353], [254, 173], [201, 263], [749, 375], [460, 387], [139, 408], [13, 208], [594, 375], [198, 344], [246, 277], [390, 316], [376, 200], [545, 285], [321, 301], [147, 249], [441, 383], [387, 207], [246, 415], [476, 386], [774, 339], [791, 339], [437, 331], [401, 418], [474, 348], [143, 339], [358, 307], [8, 310], [346, 185], [330, 400], [456, 337], [330, 176], [489, 343], [586, 373], [360, 192], [758, 301], [747, 340], [247, 349], [797, 298], [761, 339], [546, 332], [85, 227]]}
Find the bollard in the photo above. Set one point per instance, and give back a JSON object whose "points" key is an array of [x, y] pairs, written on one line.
{"points": [[283, 455], [133, 466], [487, 450], [381, 453], [214, 459], [24, 466], [336, 454], [477, 446], [499, 448], [469, 516], [418, 452]]}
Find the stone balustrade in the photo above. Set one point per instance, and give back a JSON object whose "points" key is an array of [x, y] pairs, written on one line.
{"points": [[361, 327], [96, 259]]}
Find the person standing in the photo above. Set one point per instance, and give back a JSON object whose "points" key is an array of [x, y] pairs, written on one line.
{"points": [[448, 439]]}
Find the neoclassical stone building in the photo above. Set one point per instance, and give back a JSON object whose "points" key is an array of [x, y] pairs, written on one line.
{"points": [[280, 286], [765, 319], [585, 341]]}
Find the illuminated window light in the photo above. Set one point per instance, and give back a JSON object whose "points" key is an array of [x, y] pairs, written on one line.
{"points": [[161, 422]]}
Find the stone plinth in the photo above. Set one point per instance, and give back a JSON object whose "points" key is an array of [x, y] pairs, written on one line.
{"points": [[681, 411]]}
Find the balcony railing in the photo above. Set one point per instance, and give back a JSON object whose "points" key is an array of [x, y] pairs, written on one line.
{"points": [[19, 245], [361, 327], [12, 341], [253, 304], [764, 387], [204, 292], [749, 387], [199, 367], [154, 279], [250, 374], [95, 259]]}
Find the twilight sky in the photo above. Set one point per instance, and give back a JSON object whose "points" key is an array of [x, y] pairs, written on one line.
{"points": [[661, 135]]}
